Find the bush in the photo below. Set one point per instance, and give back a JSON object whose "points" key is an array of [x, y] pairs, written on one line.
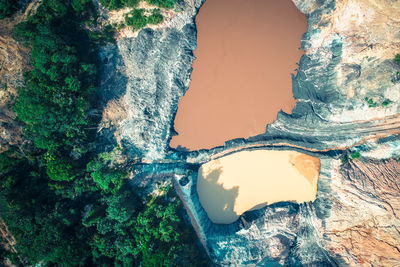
{"points": [[8, 8], [130, 3], [386, 102], [355, 155], [155, 17], [397, 58], [136, 19], [105, 36], [168, 4], [108, 178], [111, 4]]}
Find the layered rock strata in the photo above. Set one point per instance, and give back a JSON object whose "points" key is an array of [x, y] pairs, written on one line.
{"points": [[348, 100]]}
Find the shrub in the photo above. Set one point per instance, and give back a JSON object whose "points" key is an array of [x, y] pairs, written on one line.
{"points": [[386, 102], [105, 36], [111, 4], [155, 17], [397, 58], [130, 3], [168, 4], [8, 8], [136, 19], [355, 155]]}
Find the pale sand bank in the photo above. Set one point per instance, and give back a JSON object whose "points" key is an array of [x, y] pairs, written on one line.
{"points": [[231, 185]]}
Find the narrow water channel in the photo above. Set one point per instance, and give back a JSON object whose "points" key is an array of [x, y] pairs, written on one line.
{"points": [[247, 51]]}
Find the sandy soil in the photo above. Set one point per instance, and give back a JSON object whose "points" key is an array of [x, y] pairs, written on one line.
{"points": [[247, 52], [234, 184]]}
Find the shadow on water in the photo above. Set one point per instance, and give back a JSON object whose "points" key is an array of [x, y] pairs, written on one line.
{"points": [[218, 201]]}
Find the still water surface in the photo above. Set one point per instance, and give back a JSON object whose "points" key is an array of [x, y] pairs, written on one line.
{"points": [[247, 51]]}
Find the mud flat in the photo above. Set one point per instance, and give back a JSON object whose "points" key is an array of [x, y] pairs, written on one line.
{"points": [[234, 184], [246, 53]]}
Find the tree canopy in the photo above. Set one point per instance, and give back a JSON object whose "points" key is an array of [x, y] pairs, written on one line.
{"points": [[64, 201]]}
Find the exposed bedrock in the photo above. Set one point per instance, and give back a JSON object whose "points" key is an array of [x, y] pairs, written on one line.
{"points": [[349, 50], [147, 75], [348, 93]]}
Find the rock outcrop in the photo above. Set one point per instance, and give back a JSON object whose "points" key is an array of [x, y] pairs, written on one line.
{"points": [[348, 92], [149, 74]]}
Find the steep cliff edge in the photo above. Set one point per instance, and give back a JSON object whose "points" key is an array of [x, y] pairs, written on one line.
{"points": [[348, 94]]}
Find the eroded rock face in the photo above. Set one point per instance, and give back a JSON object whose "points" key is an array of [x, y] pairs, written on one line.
{"points": [[148, 74], [364, 224], [350, 46]]}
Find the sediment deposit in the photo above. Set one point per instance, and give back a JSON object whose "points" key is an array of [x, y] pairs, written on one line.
{"points": [[249, 180]]}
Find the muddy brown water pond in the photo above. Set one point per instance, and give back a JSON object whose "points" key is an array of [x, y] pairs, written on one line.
{"points": [[246, 53]]}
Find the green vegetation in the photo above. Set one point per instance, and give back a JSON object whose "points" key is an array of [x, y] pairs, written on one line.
{"points": [[168, 4], [355, 155], [8, 8], [155, 17], [137, 20], [105, 36], [397, 58], [116, 4], [373, 104], [396, 77], [386, 102], [65, 202], [344, 159]]}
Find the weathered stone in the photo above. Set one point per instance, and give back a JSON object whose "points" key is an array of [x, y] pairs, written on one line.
{"points": [[350, 46]]}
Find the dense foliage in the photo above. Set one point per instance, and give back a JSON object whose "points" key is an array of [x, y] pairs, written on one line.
{"points": [[162, 3], [137, 20], [8, 7], [397, 58], [66, 203], [116, 4]]}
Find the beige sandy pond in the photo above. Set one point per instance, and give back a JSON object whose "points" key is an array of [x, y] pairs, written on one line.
{"points": [[246, 52], [233, 184]]}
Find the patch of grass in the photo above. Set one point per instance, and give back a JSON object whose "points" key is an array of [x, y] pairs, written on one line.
{"points": [[355, 155]]}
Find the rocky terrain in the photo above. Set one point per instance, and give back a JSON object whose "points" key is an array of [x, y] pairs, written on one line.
{"points": [[348, 100]]}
